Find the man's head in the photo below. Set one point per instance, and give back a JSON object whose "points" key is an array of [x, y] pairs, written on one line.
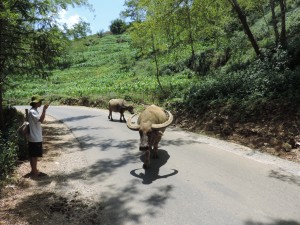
{"points": [[36, 101]]}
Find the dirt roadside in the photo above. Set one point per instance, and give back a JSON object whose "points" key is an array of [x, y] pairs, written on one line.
{"points": [[58, 197]]}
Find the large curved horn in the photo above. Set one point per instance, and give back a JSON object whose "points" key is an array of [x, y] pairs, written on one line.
{"points": [[165, 124], [132, 126]]}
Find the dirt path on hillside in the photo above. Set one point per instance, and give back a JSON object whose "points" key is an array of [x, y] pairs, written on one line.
{"points": [[57, 198]]}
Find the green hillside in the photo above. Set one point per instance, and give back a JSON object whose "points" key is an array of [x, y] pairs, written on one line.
{"points": [[95, 70]]}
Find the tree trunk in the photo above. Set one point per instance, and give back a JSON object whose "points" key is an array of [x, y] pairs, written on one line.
{"points": [[2, 60], [274, 22], [1, 109], [191, 39], [156, 64], [246, 27], [283, 39]]}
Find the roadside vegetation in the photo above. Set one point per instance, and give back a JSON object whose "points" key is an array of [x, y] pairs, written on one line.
{"points": [[13, 147], [204, 67]]}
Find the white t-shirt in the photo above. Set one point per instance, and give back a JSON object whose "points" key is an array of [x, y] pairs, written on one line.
{"points": [[35, 134]]}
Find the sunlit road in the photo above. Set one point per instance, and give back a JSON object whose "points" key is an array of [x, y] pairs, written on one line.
{"points": [[197, 180]]}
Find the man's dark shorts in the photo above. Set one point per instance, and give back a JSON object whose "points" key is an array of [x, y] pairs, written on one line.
{"points": [[35, 149]]}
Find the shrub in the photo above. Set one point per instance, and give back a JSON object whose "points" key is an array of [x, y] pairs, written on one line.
{"points": [[12, 147], [117, 26], [263, 80], [8, 154]]}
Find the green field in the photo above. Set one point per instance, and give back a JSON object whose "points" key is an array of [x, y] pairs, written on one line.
{"points": [[99, 69]]}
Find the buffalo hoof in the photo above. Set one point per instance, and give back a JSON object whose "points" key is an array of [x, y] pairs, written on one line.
{"points": [[145, 166]]}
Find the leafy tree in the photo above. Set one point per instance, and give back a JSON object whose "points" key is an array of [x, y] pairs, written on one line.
{"points": [[274, 21], [283, 38], [132, 11], [78, 30], [100, 34], [117, 26], [182, 22], [30, 40], [280, 37], [196, 23], [243, 19]]}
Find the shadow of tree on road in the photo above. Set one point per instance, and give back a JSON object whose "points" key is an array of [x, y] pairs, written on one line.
{"points": [[50, 208], [70, 207], [87, 142], [75, 118], [292, 179], [120, 210], [275, 222], [179, 142]]}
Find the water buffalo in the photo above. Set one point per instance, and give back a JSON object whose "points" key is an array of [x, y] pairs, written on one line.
{"points": [[151, 124], [119, 105]]}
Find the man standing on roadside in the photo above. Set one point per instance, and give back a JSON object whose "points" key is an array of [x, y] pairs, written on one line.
{"points": [[35, 137]]}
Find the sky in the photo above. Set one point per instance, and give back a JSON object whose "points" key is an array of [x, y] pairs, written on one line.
{"points": [[105, 11]]}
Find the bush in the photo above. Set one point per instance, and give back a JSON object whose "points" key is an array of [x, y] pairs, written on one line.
{"points": [[118, 26], [8, 154], [12, 147], [263, 80]]}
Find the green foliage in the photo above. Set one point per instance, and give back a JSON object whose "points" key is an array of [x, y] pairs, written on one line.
{"points": [[34, 42], [30, 39], [106, 68], [267, 79], [132, 11], [12, 147], [8, 156], [78, 30], [118, 26]]}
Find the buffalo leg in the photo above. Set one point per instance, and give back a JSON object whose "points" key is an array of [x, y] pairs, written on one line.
{"points": [[147, 160], [155, 146], [110, 115], [155, 153], [122, 116]]}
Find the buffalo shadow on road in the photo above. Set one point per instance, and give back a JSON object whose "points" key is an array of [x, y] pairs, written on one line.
{"points": [[151, 174]]}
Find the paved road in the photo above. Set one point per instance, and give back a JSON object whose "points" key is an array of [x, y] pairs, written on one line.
{"points": [[197, 180]]}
